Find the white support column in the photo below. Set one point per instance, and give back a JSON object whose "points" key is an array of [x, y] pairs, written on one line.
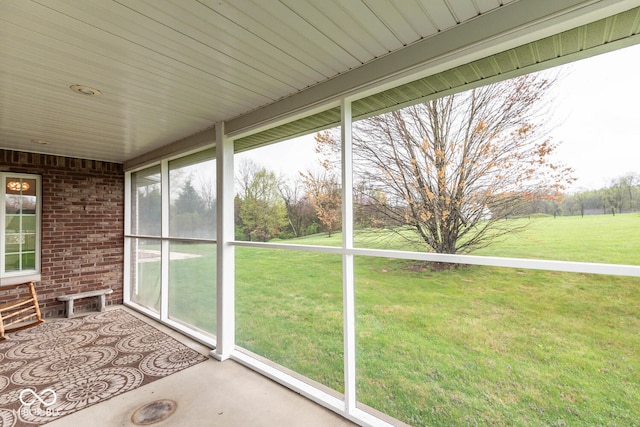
{"points": [[165, 245], [348, 291], [126, 286], [225, 340]]}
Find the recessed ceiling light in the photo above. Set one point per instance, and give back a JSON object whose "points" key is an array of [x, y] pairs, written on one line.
{"points": [[40, 141], [85, 90]]}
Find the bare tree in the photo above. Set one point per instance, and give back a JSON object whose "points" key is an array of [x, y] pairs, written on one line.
{"points": [[630, 182], [207, 192], [454, 168], [300, 212], [324, 192]]}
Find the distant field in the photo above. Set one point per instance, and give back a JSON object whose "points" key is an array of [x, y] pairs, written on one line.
{"points": [[594, 238], [466, 346]]}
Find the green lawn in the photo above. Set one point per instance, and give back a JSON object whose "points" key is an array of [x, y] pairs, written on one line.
{"points": [[595, 238], [495, 346], [467, 346]]}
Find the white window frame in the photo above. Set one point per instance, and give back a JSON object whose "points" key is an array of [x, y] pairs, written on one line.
{"points": [[165, 239], [348, 405], [15, 277], [225, 347]]}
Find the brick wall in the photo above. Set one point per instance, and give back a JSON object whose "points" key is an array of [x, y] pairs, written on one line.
{"points": [[82, 227]]}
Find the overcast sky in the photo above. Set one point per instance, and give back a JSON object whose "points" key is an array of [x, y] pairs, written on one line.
{"points": [[597, 108], [600, 98]]}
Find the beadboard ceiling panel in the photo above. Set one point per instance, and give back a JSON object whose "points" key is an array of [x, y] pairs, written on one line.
{"points": [[577, 43], [168, 70]]}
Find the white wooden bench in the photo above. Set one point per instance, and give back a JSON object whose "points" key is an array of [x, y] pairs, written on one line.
{"points": [[69, 299]]}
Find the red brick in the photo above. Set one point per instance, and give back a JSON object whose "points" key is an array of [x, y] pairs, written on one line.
{"points": [[82, 226]]}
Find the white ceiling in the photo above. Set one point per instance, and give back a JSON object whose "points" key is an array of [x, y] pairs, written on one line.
{"points": [[171, 69]]}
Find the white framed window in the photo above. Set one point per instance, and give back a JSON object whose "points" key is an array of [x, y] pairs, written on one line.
{"points": [[170, 235], [20, 219]]}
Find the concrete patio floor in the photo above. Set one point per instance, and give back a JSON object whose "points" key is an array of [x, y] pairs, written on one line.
{"points": [[210, 393]]}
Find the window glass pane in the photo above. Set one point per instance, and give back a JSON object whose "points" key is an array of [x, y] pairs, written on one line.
{"points": [[20, 243], [29, 204], [192, 184], [192, 284], [12, 223], [20, 195], [13, 204], [391, 182], [13, 243], [453, 175], [146, 208], [191, 209], [289, 193], [145, 272], [289, 310], [28, 261], [29, 242], [12, 262], [28, 223], [496, 346]]}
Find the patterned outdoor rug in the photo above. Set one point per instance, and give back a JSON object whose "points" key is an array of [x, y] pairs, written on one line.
{"points": [[65, 365]]}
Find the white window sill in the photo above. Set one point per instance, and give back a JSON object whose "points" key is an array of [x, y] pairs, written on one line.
{"points": [[22, 278]]}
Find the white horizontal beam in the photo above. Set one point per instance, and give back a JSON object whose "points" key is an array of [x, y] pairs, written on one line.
{"points": [[529, 264]]}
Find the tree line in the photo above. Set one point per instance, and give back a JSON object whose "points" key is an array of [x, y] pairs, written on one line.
{"points": [[269, 207], [622, 195]]}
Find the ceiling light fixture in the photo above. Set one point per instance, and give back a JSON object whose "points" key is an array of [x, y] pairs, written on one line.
{"points": [[40, 141], [18, 186], [85, 90]]}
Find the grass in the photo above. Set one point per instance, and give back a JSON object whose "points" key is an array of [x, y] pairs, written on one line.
{"points": [[467, 346], [490, 346], [594, 238], [288, 301]]}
